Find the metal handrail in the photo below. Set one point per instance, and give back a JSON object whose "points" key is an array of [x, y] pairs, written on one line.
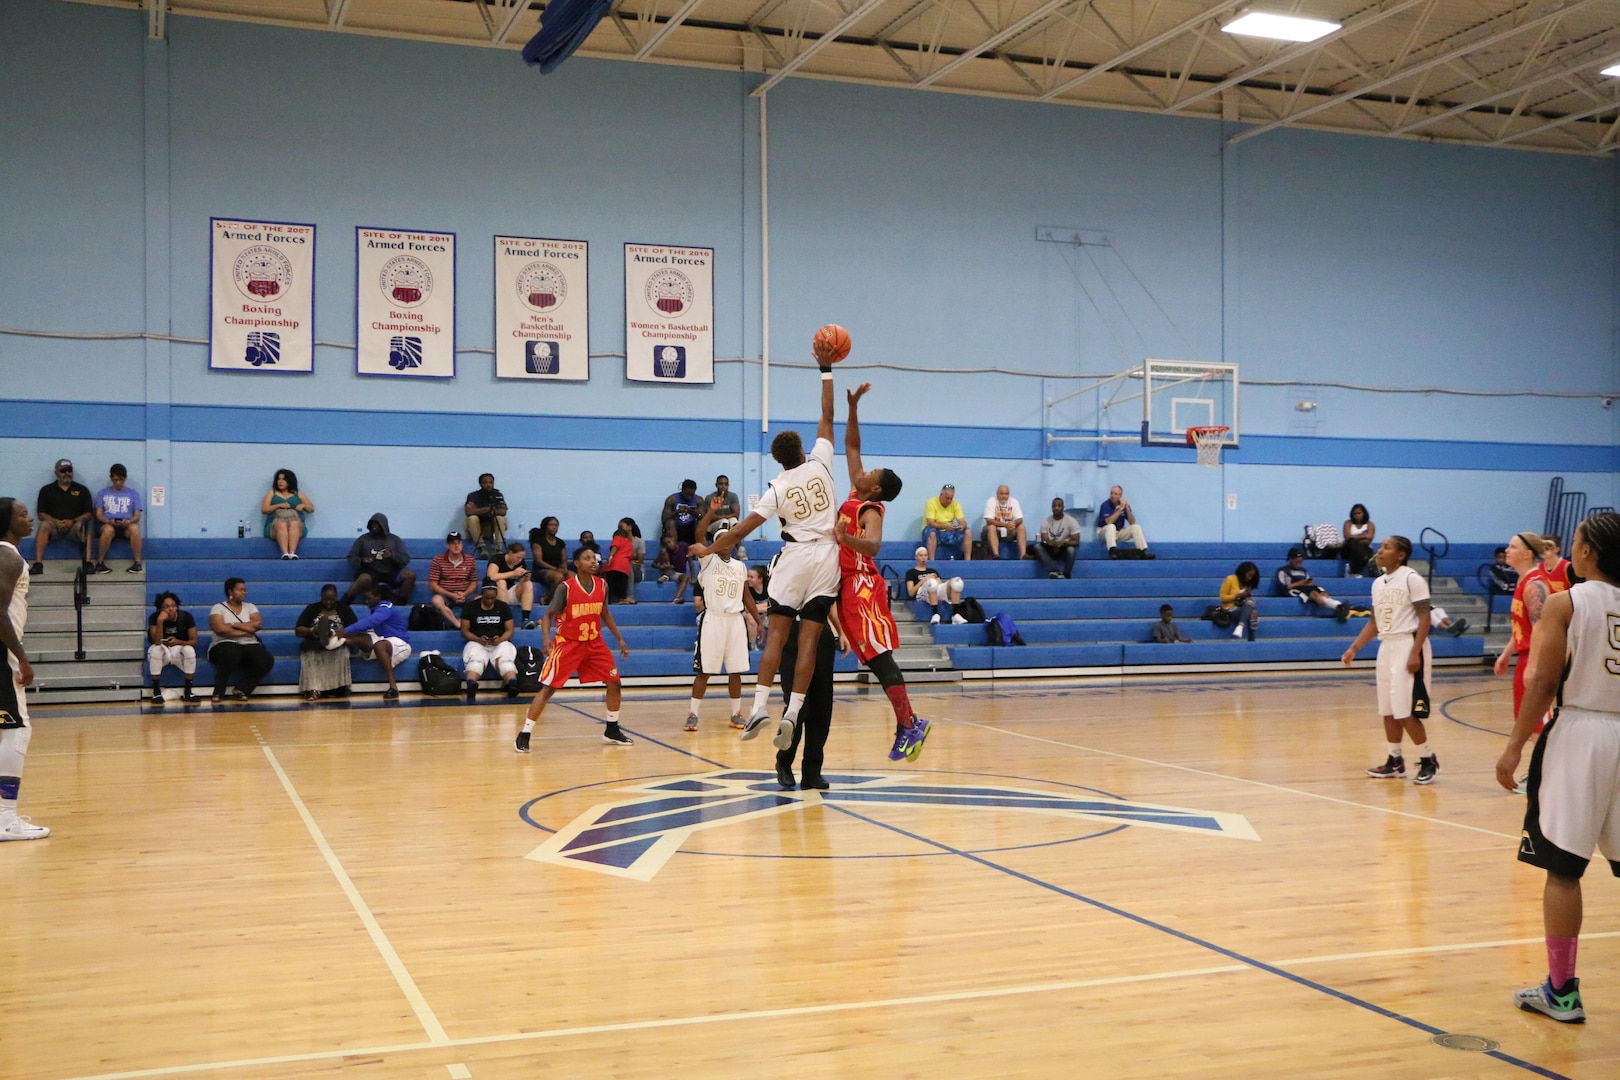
{"points": [[81, 597], [1435, 554]]}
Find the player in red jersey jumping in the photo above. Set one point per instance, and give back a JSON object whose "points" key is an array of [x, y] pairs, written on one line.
{"points": [[580, 607], [863, 597]]}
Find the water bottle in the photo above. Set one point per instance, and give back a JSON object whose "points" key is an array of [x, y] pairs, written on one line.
{"points": [[241, 528], [205, 528]]}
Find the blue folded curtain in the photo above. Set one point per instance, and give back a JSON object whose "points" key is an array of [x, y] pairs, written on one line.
{"points": [[564, 26]]}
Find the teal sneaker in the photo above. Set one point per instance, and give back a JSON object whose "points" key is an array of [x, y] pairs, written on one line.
{"points": [[1564, 1007]]}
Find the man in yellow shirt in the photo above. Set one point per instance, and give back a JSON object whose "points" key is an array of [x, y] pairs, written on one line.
{"points": [[945, 525]]}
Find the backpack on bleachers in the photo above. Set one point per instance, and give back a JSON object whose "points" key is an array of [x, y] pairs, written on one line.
{"points": [[437, 677], [529, 662], [971, 610], [1001, 630], [424, 617], [1322, 540]]}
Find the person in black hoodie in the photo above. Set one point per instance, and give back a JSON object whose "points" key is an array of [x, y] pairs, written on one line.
{"points": [[380, 557]]}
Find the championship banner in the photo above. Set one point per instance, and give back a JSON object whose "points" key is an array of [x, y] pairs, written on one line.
{"points": [[668, 314], [542, 328], [262, 296], [405, 303]]}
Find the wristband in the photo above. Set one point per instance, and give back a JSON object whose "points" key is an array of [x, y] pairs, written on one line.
{"points": [[826, 369], [826, 375]]}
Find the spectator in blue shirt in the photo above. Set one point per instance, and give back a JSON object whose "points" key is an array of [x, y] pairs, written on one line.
{"points": [[382, 634], [118, 513]]}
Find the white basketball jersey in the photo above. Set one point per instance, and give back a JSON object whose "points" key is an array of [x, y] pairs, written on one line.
{"points": [[1393, 597], [1593, 679], [804, 498], [725, 583], [19, 596]]}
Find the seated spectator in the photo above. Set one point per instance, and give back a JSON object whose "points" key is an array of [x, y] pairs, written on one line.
{"points": [[925, 584], [1165, 631], [488, 626], [513, 584], [379, 558], [727, 514], [586, 542], [1237, 598], [1359, 533], [172, 642], [452, 580], [1004, 524], [550, 557], [323, 656], [945, 526], [617, 568], [1059, 543], [236, 625], [1116, 521], [64, 508], [1440, 620], [383, 634], [284, 508], [118, 512], [682, 511], [638, 552], [758, 578], [661, 561], [1296, 581], [1504, 579], [486, 517]]}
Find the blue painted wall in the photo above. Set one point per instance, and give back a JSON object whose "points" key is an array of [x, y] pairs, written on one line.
{"points": [[910, 218]]}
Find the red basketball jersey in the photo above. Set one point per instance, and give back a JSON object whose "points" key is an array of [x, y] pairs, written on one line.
{"points": [[1535, 579], [581, 618], [849, 520]]}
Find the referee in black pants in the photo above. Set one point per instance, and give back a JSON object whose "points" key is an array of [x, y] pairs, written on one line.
{"points": [[815, 716]]}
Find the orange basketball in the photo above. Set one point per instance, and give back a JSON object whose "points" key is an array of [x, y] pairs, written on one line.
{"points": [[831, 344]]}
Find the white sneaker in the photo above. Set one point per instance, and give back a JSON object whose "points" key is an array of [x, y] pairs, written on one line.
{"points": [[755, 722], [13, 827], [934, 621], [1238, 632], [784, 734], [957, 620]]}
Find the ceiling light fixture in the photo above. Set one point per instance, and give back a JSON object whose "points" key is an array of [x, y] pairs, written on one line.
{"points": [[1279, 27]]}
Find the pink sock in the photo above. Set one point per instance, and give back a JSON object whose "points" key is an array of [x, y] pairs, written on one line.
{"points": [[1560, 960]]}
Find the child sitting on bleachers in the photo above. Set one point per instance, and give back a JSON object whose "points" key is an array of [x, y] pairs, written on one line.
{"points": [[1165, 631]]}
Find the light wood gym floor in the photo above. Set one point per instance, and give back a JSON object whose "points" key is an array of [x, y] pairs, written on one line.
{"points": [[279, 891]]}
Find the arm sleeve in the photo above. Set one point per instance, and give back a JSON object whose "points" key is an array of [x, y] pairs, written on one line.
{"points": [[369, 620]]}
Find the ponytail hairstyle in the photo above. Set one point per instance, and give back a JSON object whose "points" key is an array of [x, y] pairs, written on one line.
{"points": [[1602, 533]]}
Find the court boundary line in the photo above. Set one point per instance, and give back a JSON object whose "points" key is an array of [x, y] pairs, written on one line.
{"points": [[407, 985], [1237, 779], [1219, 950], [805, 1010]]}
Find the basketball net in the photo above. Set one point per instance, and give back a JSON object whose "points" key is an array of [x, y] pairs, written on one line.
{"points": [[1208, 440]]}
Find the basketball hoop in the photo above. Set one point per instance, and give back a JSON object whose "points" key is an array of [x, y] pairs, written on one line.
{"points": [[1208, 440]]}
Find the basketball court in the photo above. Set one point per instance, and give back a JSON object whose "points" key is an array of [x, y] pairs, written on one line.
{"points": [[1153, 878]]}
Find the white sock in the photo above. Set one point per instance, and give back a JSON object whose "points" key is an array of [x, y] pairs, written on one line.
{"points": [[528, 726], [794, 702], [694, 706], [1238, 631], [613, 716], [1395, 749], [736, 707], [762, 696], [1422, 751]]}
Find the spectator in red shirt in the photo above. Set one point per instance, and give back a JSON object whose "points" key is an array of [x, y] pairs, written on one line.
{"points": [[452, 579]]}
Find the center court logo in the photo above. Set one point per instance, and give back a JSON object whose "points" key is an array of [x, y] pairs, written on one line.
{"points": [[634, 837]]}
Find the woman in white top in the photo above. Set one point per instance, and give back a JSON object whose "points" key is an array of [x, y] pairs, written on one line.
{"points": [[1400, 604], [237, 648], [1574, 786]]}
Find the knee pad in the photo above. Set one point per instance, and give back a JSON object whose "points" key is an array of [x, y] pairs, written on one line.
{"points": [[887, 671]]}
